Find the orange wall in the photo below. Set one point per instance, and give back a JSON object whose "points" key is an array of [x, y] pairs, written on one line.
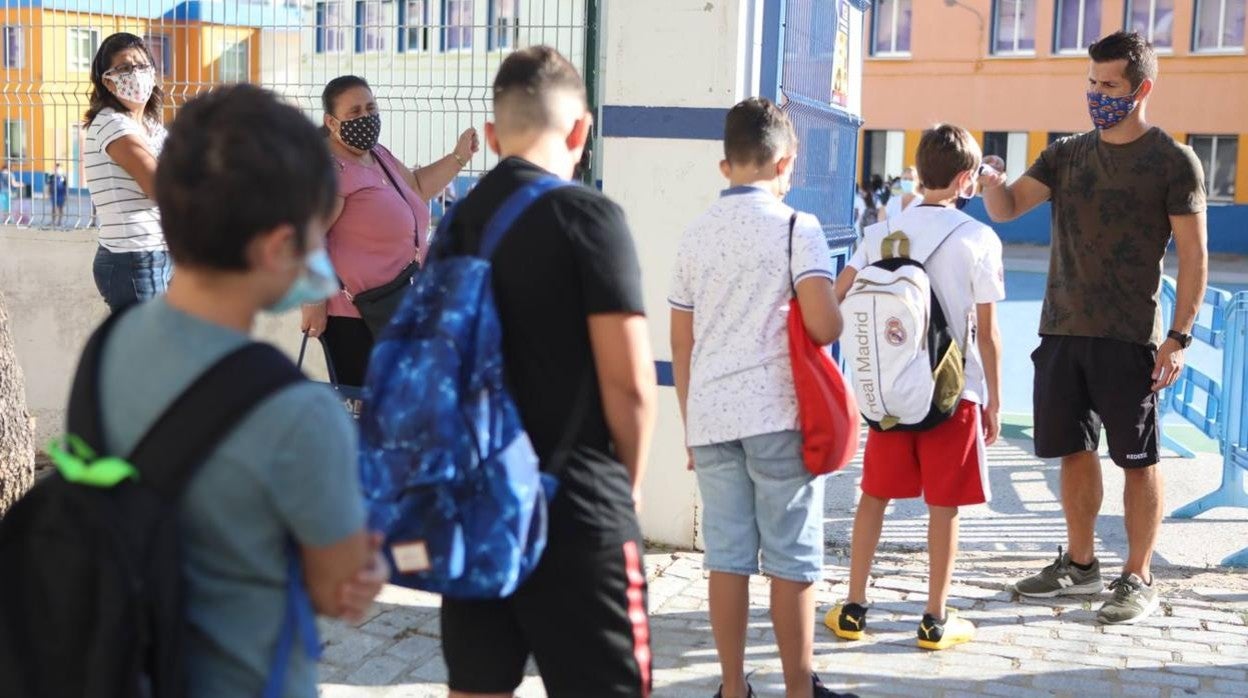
{"points": [[951, 76]]}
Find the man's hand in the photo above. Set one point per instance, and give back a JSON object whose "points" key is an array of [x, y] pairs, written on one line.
{"points": [[356, 594], [991, 423], [315, 318], [1169, 365], [993, 175]]}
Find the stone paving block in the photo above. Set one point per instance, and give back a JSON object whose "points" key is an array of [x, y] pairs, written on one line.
{"points": [[1142, 690], [903, 584], [1207, 614], [415, 648], [1233, 649], [1234, 687], [1000, 650], [377, 671], [1010, 690], [351, 649], [1074, 682], [1206, 637], [1164, 678], [1231, 628], [431, 672], [1085, 659], [1053, 644], [1230, 673], [1132, 652], [397, 621]]}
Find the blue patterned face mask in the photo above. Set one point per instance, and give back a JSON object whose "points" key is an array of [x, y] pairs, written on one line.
{"points": [[1108, 112], [317, 283]]}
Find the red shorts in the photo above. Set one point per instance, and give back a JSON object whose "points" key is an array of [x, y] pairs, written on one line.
{"points": [[945, 464]]}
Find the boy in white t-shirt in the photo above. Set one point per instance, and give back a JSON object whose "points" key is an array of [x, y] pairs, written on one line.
{"points": [[736, 267], [945, 464]]}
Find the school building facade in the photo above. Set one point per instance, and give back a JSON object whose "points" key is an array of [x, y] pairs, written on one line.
{"points": [[48, 46], [1014, 72]]}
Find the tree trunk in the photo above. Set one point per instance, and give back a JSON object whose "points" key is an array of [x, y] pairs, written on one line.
{"points": [[17, 432]]}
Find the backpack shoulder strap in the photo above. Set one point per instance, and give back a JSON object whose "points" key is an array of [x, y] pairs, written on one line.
{"points": [[83, 418], [954, 220], [514, 206], [189, 430]]}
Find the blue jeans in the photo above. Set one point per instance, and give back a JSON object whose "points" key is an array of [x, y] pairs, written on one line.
{"points": [[123, 278]]}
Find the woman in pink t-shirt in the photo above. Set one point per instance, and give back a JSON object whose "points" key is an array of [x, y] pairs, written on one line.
{"points": [[380, 223]]}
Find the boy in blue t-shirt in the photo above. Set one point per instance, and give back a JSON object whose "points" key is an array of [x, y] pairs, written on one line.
{"points": [[58, 192]]}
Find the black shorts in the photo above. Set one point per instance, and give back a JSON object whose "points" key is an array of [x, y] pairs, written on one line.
{"points": [[1084, 382], [581, 615]]}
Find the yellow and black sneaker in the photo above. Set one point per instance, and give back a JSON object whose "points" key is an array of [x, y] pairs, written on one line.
{"points": [[938, 634], [847, 620]]}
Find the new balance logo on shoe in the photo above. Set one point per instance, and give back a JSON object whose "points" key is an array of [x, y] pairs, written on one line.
{"points": [[1066, 581]]}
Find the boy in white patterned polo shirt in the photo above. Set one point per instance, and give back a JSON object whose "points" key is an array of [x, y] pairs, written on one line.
{"points": [[730, 293]]}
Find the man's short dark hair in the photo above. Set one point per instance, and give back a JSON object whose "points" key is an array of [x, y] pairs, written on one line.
{"points": [[944, 151], [756, 132], [525, 85], [237, 163], [1132, 48]]}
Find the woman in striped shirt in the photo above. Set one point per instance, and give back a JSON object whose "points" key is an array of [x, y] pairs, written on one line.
{"points": [[124, 138]]}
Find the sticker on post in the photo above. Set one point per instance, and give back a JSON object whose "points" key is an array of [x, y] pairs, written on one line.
{"points": [[411, 557]]}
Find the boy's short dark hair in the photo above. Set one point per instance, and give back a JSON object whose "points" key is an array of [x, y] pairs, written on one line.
{"points": [[525, 84], [756, 132], [239, 162], [1131, 47], [944, 151]]}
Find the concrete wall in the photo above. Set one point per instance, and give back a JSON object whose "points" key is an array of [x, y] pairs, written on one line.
{"points": [[46, 281]]}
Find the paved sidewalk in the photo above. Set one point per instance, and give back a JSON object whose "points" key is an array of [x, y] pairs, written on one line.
{"points": [[1196, 645]]}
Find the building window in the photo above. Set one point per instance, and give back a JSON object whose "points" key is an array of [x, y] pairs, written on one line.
{"points": [[14, 47], [162, 54], [235, 63], [1218, 155], [890, 34], [1078, 25], [14, 140], [1219, 25], [414, 26], [1010, 146], [884, 153], [331, 26], [1014, 27], [371, 33], [457, 18], [504, 24], [82, 46], [1154, 20]]}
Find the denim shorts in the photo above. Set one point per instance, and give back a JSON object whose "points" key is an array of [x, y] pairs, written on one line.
{"points": [[760, 503], [123, 278]]}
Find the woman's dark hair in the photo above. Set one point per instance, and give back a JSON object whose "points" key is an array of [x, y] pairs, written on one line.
{"points": [[334, 89], [101, 97]]}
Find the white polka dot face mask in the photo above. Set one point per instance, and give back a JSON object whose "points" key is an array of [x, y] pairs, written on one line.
{"points": [[361, 133], [133, 85]]}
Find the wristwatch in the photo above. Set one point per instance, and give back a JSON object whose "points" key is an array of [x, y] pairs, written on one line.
{"points": [[1184, 340]]}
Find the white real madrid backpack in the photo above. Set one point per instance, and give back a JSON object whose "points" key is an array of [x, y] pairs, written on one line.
{"points": [[901, 355]]}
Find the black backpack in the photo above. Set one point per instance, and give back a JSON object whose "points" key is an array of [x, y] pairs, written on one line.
{"points": [[91, 587]]}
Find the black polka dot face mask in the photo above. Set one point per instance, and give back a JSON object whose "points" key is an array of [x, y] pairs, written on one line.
{"points": [[361, 133]]}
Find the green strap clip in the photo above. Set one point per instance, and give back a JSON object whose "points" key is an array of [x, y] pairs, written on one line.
{"points": [[77, 463]]}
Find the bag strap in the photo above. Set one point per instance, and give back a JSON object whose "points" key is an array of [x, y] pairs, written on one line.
{"points": [[299, 620], [381, 162], [792, 225], [898, 244], [329, 361], [515, 206], [178, 442]]}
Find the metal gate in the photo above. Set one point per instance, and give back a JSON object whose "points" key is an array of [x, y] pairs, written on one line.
{"points": [[430, 63]]}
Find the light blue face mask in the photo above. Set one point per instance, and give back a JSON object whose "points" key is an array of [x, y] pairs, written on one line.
{"points": [[907, 186], [317, 283]]}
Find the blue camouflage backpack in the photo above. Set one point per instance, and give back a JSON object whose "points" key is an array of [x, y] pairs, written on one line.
{"points": [[449, 473]]}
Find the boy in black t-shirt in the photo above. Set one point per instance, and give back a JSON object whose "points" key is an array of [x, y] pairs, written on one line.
{"points": [[578, 362]]}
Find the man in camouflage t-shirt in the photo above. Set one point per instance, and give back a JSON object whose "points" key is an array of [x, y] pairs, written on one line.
{"points": [[1118, 193]]}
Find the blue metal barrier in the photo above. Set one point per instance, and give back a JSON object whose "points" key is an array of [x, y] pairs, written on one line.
{"points": [[1226, 415], [1193, 387]]}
